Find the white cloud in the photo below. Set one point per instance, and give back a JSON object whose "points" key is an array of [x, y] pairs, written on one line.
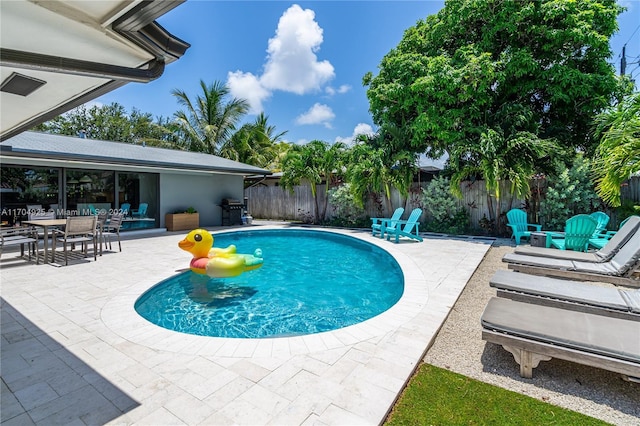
{"points": [[291, 64], [360, 129], [317, 114], [247, 86], [342, 89]]}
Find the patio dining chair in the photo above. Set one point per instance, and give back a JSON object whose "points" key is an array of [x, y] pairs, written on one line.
{"points": [[109, 229], [78, 230]]}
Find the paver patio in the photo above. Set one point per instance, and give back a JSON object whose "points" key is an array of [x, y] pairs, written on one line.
{"points": [[74, 350]]}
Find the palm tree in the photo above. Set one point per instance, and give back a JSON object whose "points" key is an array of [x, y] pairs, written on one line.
{"points": [[379, 163], [316, 161], [506, 150], [254, 143], [368, 172], [618, 154], [210, 120]]}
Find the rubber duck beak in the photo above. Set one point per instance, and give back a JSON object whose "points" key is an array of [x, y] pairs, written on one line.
{"points": [[186, 244]]}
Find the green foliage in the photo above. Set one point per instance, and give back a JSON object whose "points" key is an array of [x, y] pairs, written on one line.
{"points": [[569, 192], [618, 154], [379, 162], [436, 396], [254, 143], [111, 123], [453, 72], [438, 200], [314, 162], [627, 208], [347, 212], [188, 210], [443, 207], [209, 120]]}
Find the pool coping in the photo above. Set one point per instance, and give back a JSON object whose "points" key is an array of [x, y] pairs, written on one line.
{"points": [[121, 317]]}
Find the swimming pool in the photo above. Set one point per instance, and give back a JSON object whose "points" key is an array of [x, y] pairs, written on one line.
{"points": [[311, 281]]}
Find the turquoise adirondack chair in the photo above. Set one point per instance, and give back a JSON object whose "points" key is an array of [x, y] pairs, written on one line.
{"points": [[141, 211], [125, 209], [577, 232], [602, 220], [406, 228], [378, 222], [517, 221]]}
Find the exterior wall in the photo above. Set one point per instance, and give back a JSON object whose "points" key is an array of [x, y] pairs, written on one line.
{"points": [[204, 192]]}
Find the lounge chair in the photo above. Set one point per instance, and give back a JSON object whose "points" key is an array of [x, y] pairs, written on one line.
{"points": [[603, 239], [621, 269], [575, 295], [406, 228], [534, 333], [577, 231], [378, 222], [605, 253], [517, 221]]}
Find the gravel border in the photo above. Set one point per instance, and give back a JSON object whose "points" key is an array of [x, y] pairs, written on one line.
{"points": [[459, 347]]}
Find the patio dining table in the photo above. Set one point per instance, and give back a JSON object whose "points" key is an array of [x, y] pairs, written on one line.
{"points": [[46, 224]]}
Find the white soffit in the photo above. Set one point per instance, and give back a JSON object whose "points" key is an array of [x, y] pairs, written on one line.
{"points": [[76, 30]]}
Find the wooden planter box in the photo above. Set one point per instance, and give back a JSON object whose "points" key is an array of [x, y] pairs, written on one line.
{"points": [[182, 221]]}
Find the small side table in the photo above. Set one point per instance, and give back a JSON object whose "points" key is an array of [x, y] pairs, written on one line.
{"points": [[538, 239]]}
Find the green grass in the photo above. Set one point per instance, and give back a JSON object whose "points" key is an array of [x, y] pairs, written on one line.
{"points": [[435, 396]]}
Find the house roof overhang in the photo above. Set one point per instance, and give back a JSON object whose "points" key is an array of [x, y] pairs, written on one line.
{"points": [[75, 51], [47, 150]]}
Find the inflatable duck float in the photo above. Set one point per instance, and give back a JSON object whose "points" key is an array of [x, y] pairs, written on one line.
{"points": [[217, 262]]}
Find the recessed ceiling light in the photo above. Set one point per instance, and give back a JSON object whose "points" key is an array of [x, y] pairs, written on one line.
{"points": [[20, 84]]}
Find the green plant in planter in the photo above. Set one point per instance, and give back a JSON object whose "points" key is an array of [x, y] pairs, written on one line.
{"points": [[189, 210]]}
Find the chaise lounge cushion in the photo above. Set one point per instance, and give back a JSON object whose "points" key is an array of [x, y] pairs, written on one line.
{"points": [[559, 254], [633, 300], [597, 334], [578, 292]]}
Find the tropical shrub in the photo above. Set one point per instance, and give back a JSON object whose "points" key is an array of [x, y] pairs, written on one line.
{"points": [[443, 207], [347, 212], [569, 192]]}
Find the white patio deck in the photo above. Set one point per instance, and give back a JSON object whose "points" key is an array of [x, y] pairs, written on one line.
{"points": [[74, 351]]}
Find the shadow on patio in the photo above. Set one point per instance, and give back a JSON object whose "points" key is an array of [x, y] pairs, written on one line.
{"points": [[42, 382]]}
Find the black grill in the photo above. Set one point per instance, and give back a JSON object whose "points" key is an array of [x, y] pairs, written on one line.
{"points": [[231, 211]]}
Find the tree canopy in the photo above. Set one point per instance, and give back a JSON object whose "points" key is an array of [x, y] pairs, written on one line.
{"points": [[454, 71]]}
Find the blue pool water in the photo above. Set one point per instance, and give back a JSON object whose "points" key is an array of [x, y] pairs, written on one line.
{"points": [[311, 281]]}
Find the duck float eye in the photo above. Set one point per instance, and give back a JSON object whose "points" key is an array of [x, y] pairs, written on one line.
{"points": [[217, 262]]}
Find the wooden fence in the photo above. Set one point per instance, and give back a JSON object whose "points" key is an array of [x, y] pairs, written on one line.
{"points": [[277, 203]]}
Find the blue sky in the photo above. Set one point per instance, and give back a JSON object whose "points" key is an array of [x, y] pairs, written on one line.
{"points": [[301, 63]]}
